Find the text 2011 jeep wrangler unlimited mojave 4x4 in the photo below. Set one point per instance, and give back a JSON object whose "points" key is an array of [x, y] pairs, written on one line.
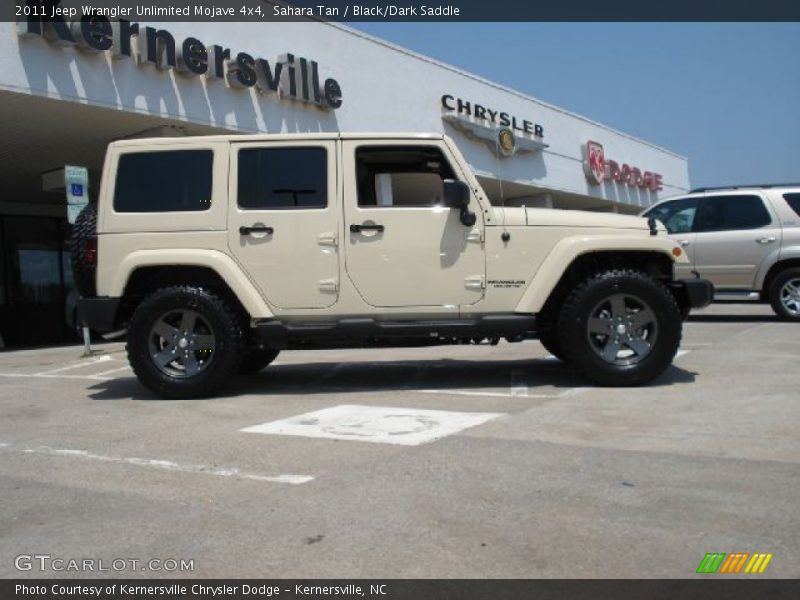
{"points": [[218, 252]]}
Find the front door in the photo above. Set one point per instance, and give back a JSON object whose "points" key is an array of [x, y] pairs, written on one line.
{"points": [[735, 235], [402, 247], [283, 219], [678, 217]]}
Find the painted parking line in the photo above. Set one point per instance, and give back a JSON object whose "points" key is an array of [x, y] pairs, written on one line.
{"points": [[77, 365], [376, 424], [165, 465]]}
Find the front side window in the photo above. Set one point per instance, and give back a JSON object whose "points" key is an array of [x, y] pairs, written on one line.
{"points": [[676, 215], [173, 180], [283, 178], [731, 213], [401, 176]]}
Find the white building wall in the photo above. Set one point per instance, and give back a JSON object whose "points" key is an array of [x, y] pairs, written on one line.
{"points": [[385, 88]]}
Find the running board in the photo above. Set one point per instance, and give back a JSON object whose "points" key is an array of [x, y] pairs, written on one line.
{"points": [[502, 325], [743, 295]]}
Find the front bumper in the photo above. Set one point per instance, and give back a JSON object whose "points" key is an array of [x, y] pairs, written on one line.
{"points": [[98, 314], [694, 293]]}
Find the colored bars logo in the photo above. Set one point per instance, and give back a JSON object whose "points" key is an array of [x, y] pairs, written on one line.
{"points": [[719, 562]]}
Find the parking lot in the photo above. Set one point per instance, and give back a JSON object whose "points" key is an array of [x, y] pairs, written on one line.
{"points": [[467, 461]]}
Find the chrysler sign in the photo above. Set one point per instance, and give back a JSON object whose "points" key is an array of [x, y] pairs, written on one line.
{"points": [[289, 76]]}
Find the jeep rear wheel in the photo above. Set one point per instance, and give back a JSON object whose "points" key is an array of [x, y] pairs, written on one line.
{"points": [[184, 342], [621, 328], [784, 295]]}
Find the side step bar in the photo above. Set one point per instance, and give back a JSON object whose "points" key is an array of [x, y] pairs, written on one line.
{"points": [[500, 325]]}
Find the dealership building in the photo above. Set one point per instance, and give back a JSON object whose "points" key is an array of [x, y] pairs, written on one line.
{"points": [[68, 89]]}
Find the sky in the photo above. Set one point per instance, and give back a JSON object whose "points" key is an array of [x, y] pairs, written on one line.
{"points": [[725, 95]]}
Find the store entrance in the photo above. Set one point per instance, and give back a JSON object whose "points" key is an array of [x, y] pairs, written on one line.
{"points": [[35, 281]]}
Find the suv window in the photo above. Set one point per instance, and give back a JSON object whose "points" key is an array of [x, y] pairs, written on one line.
{"points": [[283, 178], [728, 213], [173, 180], [793, 200], [401, 176], [676, 215]]}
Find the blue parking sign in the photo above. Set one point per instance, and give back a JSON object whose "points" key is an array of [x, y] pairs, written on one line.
{"points": [[77, 189]]}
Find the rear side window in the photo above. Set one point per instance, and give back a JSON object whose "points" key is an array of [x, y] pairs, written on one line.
{"points": [[175, 180], [793, 200], [283, 178], [730, 213]]}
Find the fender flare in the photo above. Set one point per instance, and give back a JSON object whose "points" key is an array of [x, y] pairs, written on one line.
{"points": [[219, 262], [568, 249]]}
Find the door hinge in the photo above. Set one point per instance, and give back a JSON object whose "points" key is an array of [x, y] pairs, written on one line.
{"points": [[476, 282], [475, 235], [328, 238], [329, 285]]}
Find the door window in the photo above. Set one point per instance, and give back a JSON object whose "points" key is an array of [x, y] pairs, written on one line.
{"points": [[676, 215], [731, 213], [793, 200], [282, 178], [402, 176]]}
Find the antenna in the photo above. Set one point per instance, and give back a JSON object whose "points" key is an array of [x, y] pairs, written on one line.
{"points": [[505, 235]]}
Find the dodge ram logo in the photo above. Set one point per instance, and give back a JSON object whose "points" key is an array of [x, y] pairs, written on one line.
{"points": [[594, 162]]}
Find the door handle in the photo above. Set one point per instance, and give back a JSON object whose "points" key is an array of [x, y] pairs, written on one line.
{"points": [[684, 243], [766, 240], [356, 228], [245, 230]]}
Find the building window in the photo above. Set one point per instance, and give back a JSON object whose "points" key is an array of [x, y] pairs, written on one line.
{"points": [[401, 176], [169, 181], [282, 178]]}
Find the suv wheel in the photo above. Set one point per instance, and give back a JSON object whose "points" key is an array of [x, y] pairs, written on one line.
{"points": [[184, 342], [621, 328], [549, 339], [784, 295], [257, 359]]}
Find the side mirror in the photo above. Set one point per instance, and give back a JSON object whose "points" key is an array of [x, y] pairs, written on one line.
{"points": [[456, 193]]}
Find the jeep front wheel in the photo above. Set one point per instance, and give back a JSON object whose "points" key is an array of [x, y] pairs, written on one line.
{"points": [[621, 328], [184, 342]]}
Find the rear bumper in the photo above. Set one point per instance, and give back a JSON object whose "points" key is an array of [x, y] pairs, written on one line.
{"points": [[695, 293], [98, 314]]}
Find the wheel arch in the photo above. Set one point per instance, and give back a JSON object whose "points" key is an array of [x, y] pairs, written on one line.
{"points": [[552, 281], [145, 271], [775, 270]]}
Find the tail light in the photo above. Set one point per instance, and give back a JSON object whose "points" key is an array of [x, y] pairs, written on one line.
{"points": [[90, 253]]}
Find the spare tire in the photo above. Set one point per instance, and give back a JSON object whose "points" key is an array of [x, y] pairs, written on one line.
{"points": [[84, 251]]}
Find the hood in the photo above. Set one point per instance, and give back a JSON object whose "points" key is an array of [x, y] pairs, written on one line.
{"points": [[553, 217]]}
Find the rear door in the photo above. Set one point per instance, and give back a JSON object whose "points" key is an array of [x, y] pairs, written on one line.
{"points": [[736, 232], [283, 219]]}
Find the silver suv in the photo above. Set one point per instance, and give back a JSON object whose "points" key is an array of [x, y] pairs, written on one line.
{"points": [[744, 239]]}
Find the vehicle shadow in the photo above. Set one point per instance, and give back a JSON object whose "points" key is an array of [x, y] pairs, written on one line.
{"points": [[731, 318], [503, 377]]}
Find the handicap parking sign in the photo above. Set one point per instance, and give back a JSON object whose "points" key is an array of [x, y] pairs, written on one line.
{"points": [[77, 189]]}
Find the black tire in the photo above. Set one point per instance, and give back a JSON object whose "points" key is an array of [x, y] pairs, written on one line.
{"points": [[548, 336], [84, 232], [202, 371], [256, 359], [784, 302], [606, 358]]}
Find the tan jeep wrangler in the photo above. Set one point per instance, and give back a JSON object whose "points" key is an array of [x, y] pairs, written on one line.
{"points": [[215, 253]]}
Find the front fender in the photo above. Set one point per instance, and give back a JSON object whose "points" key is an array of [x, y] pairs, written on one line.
{"points": [[570, 248], [219, 262]]}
